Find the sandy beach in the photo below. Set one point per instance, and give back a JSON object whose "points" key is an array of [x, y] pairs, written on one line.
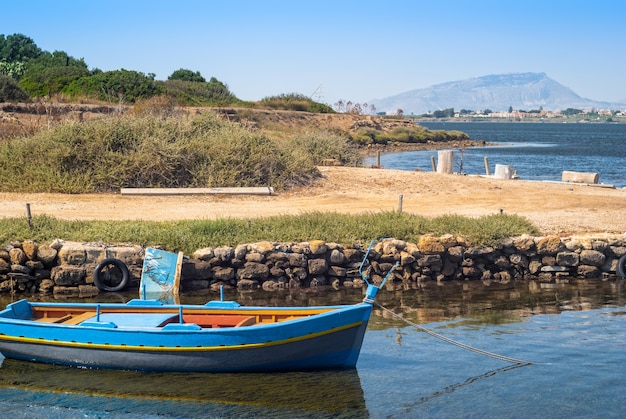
{"points": [[555, 208]]}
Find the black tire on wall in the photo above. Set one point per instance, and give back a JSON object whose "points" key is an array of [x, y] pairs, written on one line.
{"points": [[621, 267], [111, 275]]}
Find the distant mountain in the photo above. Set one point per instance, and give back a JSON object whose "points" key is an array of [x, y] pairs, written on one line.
{"points": [[498, 92]]}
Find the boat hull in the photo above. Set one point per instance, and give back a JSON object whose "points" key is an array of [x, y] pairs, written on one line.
{"points": [[335, 350]]}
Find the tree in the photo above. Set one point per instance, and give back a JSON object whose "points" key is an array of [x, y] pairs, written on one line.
{"points": [[18, 47], [356, 109], [187, 75], [56, 59], [571, 111], [444, 113]]}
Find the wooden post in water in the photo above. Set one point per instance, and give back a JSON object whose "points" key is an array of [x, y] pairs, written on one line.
{"points": [[487, 171], [445, 161], [378, 159], [432, 162]]}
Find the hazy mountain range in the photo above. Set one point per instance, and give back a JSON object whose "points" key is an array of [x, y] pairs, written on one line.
{"points": [[497, 92]]}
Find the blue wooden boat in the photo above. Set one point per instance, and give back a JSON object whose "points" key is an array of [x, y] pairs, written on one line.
{"points": [[219, 336]]}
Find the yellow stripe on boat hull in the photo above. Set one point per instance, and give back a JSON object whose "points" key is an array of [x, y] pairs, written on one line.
{"points": [[21, 339]]}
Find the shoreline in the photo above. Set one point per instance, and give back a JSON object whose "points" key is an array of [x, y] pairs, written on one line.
{"points": [[555, 208]]}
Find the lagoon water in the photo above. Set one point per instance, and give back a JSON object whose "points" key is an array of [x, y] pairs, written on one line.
{"points": [[575, 334], [538, 151]]}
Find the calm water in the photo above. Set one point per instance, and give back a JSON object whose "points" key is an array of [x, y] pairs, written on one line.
{"points": [[537, 151], [575, 334]]}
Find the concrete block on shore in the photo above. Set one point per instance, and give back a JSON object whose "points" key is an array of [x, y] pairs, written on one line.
{"points": [[579, 177]]}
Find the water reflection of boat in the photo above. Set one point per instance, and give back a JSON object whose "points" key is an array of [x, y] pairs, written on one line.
{"points": [[321, 393]]}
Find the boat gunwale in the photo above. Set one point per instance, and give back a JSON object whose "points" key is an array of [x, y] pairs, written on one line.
{"points": [[176, 348]]}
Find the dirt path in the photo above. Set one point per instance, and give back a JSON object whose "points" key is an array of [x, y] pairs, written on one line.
{"points": [[553, 207]]}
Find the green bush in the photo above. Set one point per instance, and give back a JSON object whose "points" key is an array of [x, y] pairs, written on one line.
{"points": [[294, 102], [187, 75], [50, 80], [319, 146], [114, 86], [10, 91], [411, 135], [193, 93]]}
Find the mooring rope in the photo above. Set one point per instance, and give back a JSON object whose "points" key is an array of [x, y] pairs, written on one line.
{"points": [[454, 342]]}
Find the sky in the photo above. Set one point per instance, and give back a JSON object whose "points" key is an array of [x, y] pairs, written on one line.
{"points": [[331, 50]]}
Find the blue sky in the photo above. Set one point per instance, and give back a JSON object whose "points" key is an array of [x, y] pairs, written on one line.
{"points": [[331, 50]]}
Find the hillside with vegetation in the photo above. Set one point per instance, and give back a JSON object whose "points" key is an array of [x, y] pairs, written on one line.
{"points": [[67, 128]]}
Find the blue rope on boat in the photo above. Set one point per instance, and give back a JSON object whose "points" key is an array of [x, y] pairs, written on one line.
{"points": [[365, 259], [372, 289]]}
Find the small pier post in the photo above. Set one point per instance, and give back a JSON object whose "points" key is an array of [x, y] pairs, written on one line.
{"points": [[445, 161], [29, 218]]}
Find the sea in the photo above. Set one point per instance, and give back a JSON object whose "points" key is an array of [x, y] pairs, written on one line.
{"points": [[537, 151], [457, 350]]}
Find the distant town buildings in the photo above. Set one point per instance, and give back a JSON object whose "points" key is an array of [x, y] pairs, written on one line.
{"points": [[540, 114]]}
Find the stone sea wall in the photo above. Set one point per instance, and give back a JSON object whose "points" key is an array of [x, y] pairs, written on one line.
{"points": [[66, 268]]}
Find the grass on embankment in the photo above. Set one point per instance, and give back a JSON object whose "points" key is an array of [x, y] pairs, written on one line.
{"points": [[190, 235], [114, 152]]}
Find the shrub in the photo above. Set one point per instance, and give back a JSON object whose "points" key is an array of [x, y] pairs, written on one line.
{"points": [[10, 91], [294, 102], [114, 86], [195, 93], [50, 80]]}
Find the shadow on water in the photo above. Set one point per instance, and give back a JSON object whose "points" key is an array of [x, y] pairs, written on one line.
{"points": [[323, 393], [407, 408]]}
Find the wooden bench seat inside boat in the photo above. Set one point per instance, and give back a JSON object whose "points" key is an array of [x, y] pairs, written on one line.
{"points": [[219, 320], [59, 319], [66, 318], [76, 319]]}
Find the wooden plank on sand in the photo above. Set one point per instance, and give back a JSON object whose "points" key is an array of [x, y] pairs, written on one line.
{"points": [[262, 190]]}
